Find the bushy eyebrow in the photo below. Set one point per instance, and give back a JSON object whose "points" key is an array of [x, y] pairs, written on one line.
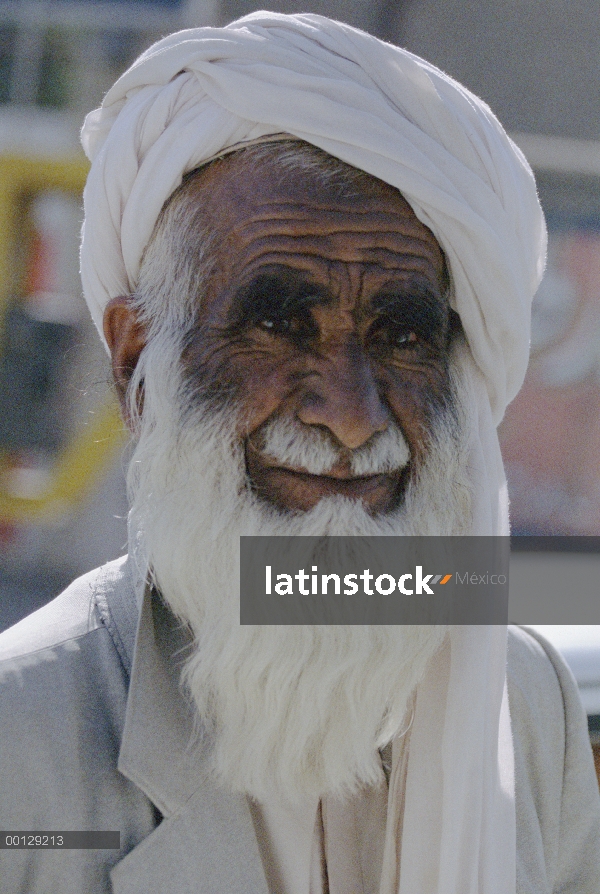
{"points": [[275, 294], [283, 293]]}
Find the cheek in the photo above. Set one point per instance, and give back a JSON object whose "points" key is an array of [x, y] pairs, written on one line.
{"points": [[259, 382], [266, 388], [416, 398]]}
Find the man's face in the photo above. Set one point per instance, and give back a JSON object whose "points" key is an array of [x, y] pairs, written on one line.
{"points": [[321, 316], [325, 309]]}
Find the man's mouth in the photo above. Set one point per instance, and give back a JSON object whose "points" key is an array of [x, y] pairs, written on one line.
{"points": [[299, 491]]}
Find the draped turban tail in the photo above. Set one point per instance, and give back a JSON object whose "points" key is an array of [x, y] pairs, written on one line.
{"points": [[381, 109]]}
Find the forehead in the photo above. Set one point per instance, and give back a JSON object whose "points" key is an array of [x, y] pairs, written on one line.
{"points": [[256, 209]]}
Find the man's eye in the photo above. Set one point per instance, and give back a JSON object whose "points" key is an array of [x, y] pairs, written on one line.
{"points": [[293, 326], [402, 339], [274, 325], [396, 337]]}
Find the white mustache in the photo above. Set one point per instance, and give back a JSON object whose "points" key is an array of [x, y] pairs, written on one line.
{"points": [[299, 446]]}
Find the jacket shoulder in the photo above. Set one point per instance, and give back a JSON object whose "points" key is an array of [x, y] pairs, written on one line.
{"points": [[70, 615], [63, 695], [557, 800], [534, 666]]}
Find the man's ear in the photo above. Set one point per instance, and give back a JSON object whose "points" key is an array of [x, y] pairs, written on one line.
{"points": [[125, 337]]}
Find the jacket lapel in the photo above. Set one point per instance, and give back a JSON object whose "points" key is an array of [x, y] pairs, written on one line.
{"points": [[208, 848], [206, 842]]}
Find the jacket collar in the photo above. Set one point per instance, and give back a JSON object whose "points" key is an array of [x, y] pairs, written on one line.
{"points": [[206, 841]]}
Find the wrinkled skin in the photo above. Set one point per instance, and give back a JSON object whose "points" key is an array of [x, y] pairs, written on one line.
{"points": [[326, 308]]}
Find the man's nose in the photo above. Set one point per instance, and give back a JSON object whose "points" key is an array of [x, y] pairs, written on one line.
{"points": [[343, 396]]}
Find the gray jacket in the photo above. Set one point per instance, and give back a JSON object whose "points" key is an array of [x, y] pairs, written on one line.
{"points": [[95, 734]]}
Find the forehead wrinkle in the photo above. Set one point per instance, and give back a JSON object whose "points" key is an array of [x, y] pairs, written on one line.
{"points": [[233, 185], [340, 247], [346, 236], [365, 288], [377, 211], [309, 206], [281, 260], [309, 234], [309, 262], [356, 222]]}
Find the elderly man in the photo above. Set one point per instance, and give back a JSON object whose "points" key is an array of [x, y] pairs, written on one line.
{"points": [[311, 256]]}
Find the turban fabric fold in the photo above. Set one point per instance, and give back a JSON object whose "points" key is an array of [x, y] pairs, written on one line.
{"points": [[197, 93]]}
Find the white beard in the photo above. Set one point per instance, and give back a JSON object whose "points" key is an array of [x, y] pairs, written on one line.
{"points": [[294, 711]]}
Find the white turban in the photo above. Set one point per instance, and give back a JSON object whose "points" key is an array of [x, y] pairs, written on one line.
{"points": [[383, 110]]}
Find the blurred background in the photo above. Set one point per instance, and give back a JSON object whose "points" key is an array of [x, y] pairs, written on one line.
{"points": [[62, 498]]}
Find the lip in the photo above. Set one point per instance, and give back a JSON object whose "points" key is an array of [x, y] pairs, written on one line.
{"points": [[299, 490], [337, 482]]}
